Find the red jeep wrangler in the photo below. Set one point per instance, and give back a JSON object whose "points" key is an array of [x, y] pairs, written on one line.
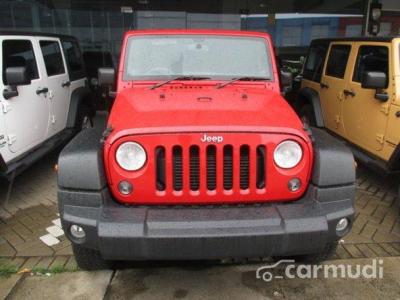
{"points": [[202, 158]]}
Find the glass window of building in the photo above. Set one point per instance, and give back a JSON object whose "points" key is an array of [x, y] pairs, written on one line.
{"points": [[319, 31], [291, 36], [353, 30]]}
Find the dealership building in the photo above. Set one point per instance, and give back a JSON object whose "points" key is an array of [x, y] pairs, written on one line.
{"points": [[99, 24]]}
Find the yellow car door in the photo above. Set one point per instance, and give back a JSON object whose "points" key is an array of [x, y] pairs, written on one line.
{"points": [[364, 116], [333, 82]]}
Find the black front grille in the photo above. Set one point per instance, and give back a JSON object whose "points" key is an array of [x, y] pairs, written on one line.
{"points": [[194, 168], [177, 168], [197, 160], [228, 167], [160, 168], [244, 167], [211, 168], [260, 179]]}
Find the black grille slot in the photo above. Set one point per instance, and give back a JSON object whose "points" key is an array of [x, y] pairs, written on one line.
{"points": [[228, 167], [177, 168], [211, 168], [194, 168], [260, 167], [244, 167], [160, 168]]}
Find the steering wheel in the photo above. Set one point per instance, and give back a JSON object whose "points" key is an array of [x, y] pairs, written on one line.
{"points": [[159, 71]]}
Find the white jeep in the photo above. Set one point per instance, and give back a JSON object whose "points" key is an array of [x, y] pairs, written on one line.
{"points": [[44, 97]]}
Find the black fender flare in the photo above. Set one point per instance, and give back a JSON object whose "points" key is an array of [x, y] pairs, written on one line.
{"points": [[312, 97], [80, 164], [333, 161], [78, 95]]}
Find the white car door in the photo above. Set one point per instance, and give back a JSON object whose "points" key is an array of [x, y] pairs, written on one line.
{"points": [[26, 115], [57, 82]]}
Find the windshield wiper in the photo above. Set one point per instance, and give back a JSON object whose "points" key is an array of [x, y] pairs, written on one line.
{"points": [[245, 78], [157, 85]]}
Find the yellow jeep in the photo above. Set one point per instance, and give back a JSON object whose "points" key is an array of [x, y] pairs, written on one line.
{"points": [[351, 87]]}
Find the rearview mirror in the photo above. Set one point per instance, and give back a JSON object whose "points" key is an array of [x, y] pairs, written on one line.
{"points": [[106, 76], [16, 76], [374, 80]]}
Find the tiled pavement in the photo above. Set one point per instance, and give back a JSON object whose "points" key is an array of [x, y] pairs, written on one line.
{"points": [[33, 206], [30, 210]]}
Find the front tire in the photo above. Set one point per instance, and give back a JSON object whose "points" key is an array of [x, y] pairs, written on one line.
{"points": [[89, 259]]}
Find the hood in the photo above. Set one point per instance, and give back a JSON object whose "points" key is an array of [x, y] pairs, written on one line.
{"points": [[179, 108]]}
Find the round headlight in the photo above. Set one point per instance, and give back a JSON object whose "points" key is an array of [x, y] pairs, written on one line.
{"points": [[131, 156], [288, 154]]}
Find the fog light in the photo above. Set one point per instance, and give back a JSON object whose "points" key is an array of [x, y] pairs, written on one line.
{"points": [[294, 185], [77, 232], [125, 188], [342, 225]]}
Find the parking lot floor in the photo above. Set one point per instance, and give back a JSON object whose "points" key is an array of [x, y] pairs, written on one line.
{"points": [[203, 281]]}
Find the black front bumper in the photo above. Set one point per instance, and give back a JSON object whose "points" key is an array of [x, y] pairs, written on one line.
{"points": [[124, 232], [209, 232]]}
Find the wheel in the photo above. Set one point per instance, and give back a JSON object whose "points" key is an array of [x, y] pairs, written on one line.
{"points": [[313, 258], [89, 259], [84, 118], [307, 115]]}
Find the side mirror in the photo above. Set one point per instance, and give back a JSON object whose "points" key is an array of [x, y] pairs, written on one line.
{"points": [[286, 81], [374, 80], [377, 81], [106, 76], [16, 76]]}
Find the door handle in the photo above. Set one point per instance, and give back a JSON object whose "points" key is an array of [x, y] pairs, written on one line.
{"points": [[66, 84], [349, 93], [42, 90], [324, 85]]}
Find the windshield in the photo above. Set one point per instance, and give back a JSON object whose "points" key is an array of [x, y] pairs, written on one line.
{"points": [[163, 56]]}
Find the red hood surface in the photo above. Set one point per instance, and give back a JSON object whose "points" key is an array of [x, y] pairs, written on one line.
{"points": [[196, 108]]}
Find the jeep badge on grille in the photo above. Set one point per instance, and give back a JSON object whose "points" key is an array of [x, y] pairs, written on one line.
{"points": [[212, 139]]}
